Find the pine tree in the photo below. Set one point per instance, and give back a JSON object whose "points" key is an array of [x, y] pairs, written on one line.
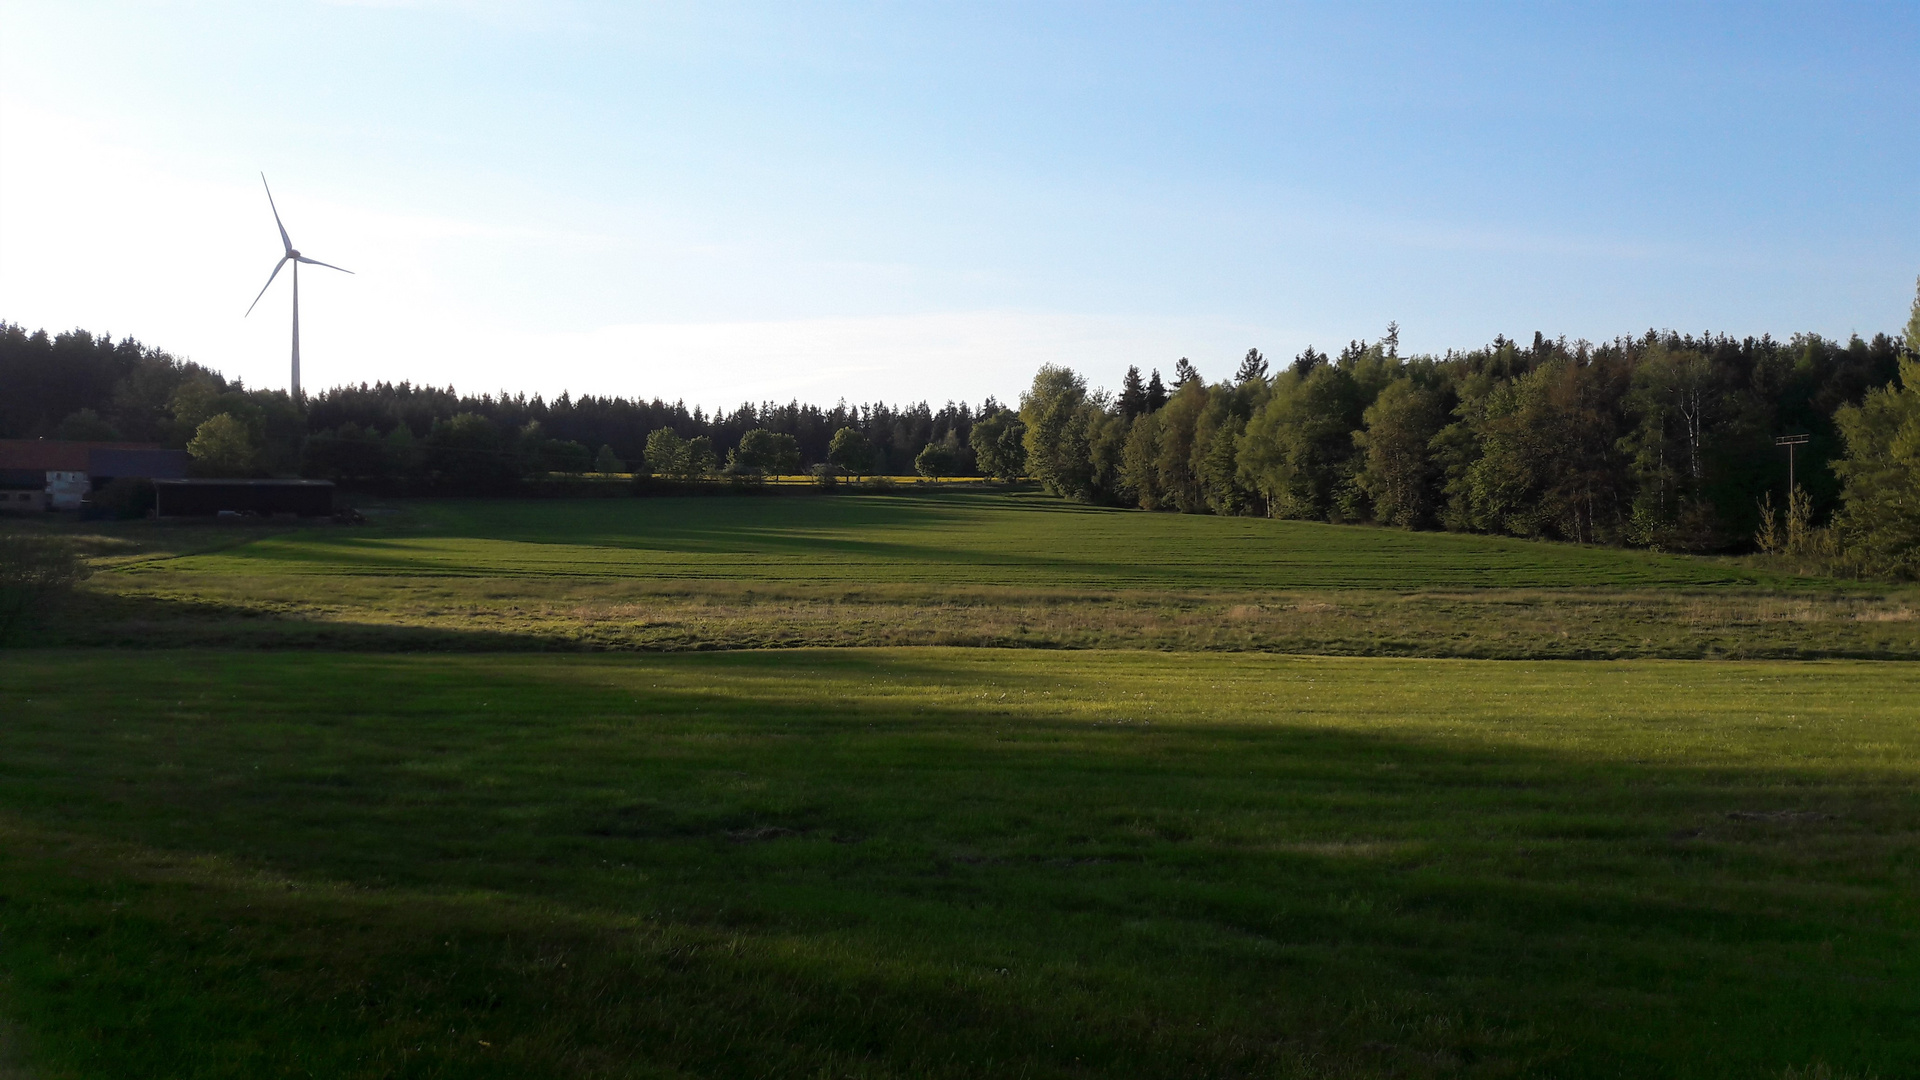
{"points": [[1133, 394], [1156, 392], [1184, 372], [1253, 367]]}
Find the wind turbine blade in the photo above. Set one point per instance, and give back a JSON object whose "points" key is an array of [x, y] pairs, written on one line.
{"points": [[263, 288], [317, 262], [284, 242]]}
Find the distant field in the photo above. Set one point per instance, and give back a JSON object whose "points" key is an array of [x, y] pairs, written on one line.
{"points": [[954, 568], [957, 863], [937, 539]]}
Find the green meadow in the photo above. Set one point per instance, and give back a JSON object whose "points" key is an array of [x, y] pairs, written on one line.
{"points": [[964, 569], [964, 539], [957, 863], [954, 784]]}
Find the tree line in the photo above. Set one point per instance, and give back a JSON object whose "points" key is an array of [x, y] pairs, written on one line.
{"points": [[1662, 440], [77, 385]]}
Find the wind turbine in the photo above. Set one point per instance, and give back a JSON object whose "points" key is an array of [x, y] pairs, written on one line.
{"points": [[294, 257]]}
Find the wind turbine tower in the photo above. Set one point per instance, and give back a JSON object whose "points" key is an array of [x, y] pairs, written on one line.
{"points": [[292, 256]]}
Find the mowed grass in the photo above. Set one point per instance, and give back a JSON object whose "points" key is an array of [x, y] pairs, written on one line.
{"points": [[940, 862], [948, 538], [950, 568]]}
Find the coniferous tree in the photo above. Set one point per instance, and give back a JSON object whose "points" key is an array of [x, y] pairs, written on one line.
{"points": [[1133, 394], [1156, 392], [1184, 373], [1254, 366]]}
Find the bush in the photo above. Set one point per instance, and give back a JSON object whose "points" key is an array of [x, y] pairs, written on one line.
{"points": [[125, 497], [36, 572]]}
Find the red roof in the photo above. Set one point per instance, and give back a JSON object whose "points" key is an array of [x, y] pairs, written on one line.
{"points": [[54, 455]]}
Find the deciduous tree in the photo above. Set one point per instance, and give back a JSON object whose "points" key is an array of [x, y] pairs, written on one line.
{"points": [[222, 446], [851, 452], [999, 445], [666, 452], [1398, 470], [1881, 473], [1057, 446], [935, 461]]}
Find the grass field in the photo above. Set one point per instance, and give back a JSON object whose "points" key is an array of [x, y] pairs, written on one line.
{"points": [[1229, 798], [956, 862], [961, 539], [967, 569]]}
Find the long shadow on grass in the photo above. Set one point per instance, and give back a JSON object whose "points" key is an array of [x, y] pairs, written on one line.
{"points": [[758, 865], [732, 552], [704, 525], [832, 526], [107, 620]]}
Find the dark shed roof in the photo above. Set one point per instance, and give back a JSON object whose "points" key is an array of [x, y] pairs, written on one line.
{"points": [[154, 464]]}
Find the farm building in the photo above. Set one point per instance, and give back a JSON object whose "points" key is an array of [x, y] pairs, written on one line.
{"points": [[51, 474], [207, 498]]}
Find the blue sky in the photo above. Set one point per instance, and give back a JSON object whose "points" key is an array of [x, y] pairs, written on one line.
{"points": [[727, 202]]}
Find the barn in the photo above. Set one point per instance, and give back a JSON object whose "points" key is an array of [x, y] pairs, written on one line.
{"points": [[55, 474]]}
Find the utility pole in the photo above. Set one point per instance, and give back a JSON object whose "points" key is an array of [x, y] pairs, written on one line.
{"points": [[1790, 441]]}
